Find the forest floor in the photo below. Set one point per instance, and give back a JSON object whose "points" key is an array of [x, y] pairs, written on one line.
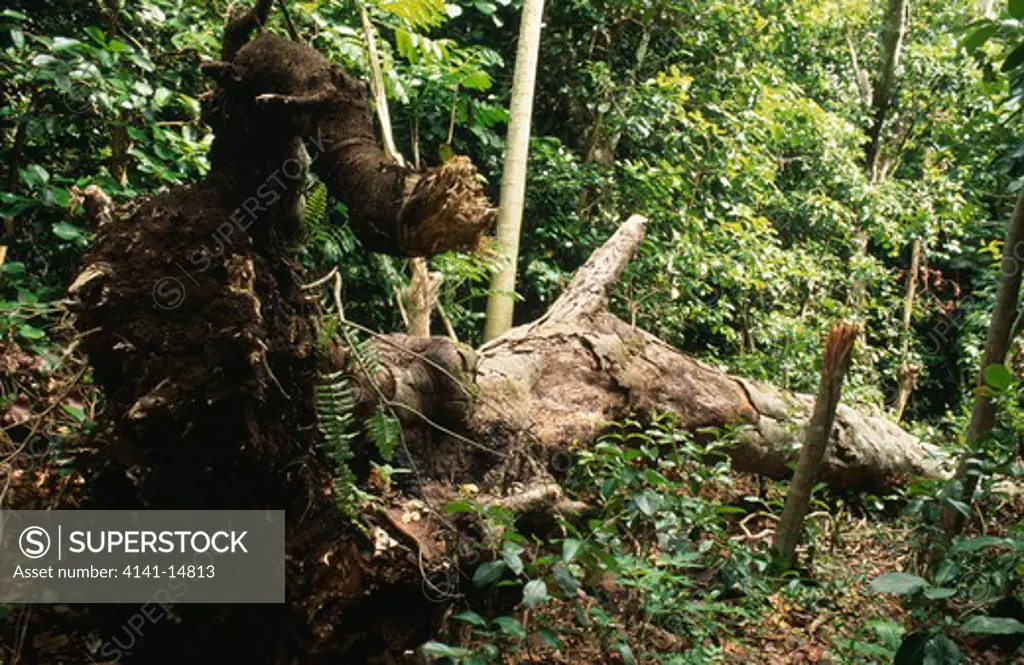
{"points": [[827, 615], [630, 592]]}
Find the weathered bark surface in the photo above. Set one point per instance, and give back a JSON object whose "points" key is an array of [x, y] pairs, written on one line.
{"points": [[997, 345], [893, 33], [393, 209], [562, 378]]}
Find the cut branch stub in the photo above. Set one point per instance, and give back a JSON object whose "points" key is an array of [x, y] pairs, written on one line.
{"points": [[588, 291]]}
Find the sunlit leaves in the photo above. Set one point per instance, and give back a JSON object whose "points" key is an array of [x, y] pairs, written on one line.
{"points": [[419, 13]]}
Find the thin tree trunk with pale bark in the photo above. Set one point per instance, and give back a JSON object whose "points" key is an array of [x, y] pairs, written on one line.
{"points": [[501, 302], [835, 363], [423, 286], [893, 34]]}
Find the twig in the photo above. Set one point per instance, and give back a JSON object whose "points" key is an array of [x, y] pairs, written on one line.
{"points": [[292, 32], [322, 280]]}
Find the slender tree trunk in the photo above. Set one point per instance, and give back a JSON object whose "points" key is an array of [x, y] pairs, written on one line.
{"points": [[863, 82], [908, 372], [836, 360], [377, 87], [893, 34], [997, 345], [501, 302]]}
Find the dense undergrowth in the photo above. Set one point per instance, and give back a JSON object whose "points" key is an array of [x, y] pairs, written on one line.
{"points": [[672, 564], [738, 129]]}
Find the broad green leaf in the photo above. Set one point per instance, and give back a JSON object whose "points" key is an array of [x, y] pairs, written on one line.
{"points": [[980, 542], [31, 332], [488, 573], [998, 376], [535, 593], [1016, 8], [34, 175], [644, 504], [570, 546], [912, 649], [877, 651], [117, 46], [946, 572], [982, 625], [442, 650], [977, 39], [1015, 58], [66, 231], [900, 584], [515, 564], [478, 80], [471, 617], [889, 632], [63, 43], [459, 507], [550, 637], [42, 60], [510, 626], [939, 593], [941, 650], [565, 579], [26, 297]]}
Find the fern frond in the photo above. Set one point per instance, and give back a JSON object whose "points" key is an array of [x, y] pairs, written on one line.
{"points": [[335, 406], [384, 430], [316, 205]]}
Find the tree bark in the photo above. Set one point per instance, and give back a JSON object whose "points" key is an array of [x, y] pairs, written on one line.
{"points": [[421, 296], [997, 345], [908, 372], [893, 33], [501, 302], [563, 377], [835, 363]]}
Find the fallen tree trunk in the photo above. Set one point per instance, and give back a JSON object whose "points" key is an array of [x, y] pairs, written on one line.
{"points": [[564, 377]]}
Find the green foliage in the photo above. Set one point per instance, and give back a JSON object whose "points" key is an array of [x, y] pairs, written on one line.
{"points": [[384, 430], [737, 128], [977, 572], [334, 407]]}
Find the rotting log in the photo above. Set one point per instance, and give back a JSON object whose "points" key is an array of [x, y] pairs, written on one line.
{"points": [[561, 379]]}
